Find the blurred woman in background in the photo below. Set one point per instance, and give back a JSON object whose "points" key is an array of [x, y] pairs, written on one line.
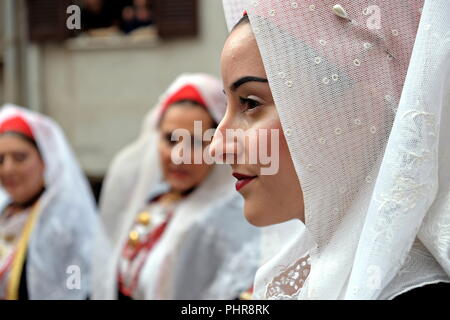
{"points": [[176, 230], [48, 217]]}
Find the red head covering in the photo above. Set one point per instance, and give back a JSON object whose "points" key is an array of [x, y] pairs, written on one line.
{"points": [[16, 124], [188, 92]]}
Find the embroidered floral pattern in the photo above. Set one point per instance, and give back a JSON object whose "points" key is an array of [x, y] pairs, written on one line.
{"points": [[439, 232], [289, 282], [413, 168], [410, 184]]}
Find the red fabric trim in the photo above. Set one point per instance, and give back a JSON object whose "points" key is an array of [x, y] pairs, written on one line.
{"points": [[16, 124], [131, 253], [7, 264], [188, 92]]}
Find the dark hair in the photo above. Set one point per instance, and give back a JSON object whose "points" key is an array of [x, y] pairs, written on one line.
{"points": [[187, 103], [23, 137], [243, 20]]}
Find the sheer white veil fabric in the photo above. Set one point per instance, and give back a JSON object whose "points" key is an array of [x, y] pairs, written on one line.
{"points": [[364, 106], [207, 228], [62, 241]]}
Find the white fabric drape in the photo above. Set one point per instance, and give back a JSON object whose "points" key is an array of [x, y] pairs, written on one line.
{"points": [[369, 143], [207, 228], [62, 240]]}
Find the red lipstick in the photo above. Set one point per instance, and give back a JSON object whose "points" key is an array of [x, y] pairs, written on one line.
{"points": [[243, 180]]}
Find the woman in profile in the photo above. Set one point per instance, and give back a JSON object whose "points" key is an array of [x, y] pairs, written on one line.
{"points": [[361, 105], [48, 219], [176, 228]]}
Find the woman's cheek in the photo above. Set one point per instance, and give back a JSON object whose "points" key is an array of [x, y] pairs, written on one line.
{"points": [[269, 146]]}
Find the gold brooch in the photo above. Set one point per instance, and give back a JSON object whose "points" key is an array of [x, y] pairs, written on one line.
{"points": [[133, 238], [144, 218], [247, 295]]}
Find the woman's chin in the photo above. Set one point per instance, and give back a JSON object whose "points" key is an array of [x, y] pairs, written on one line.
{"points": [[256, 217], [180, 187], [19, 199], [14, 194]]}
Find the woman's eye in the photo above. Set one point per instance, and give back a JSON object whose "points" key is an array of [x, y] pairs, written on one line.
{"points": [[248, 104], [19, 156], [168, 139]]}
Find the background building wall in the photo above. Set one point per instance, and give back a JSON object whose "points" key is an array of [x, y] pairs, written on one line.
{"points": [[100, 95]]}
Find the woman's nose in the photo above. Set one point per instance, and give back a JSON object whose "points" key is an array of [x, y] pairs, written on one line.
{"points": [[7, 165], [216, 145], [223, 145]]}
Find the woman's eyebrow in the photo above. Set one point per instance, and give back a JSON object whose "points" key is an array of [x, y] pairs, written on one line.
{"points": [[243, 80]]}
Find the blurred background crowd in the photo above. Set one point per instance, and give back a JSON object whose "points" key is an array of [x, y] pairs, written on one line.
{"points": [[70, 74]]}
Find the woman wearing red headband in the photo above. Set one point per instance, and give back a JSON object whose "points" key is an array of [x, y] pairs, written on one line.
{"points": [[176, 229], [48, 216]]}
